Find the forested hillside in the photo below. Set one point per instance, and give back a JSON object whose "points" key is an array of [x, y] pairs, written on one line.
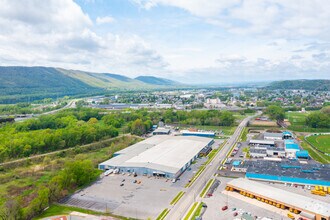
{"points": [[319, 84], [25, 84], [156, 80]]}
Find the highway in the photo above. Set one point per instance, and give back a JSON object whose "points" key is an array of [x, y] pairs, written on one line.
{"points": [[71, 104], [192, 194]]}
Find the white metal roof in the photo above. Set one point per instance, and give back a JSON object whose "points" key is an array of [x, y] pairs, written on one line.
{"points": [[162, 130], [296, 200], [262, 142], [164, 153], [269, 134], [197, 132]]}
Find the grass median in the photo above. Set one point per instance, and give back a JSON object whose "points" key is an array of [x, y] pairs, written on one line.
{"points": [[191, 211], [211, 156], [207, 187], [177, 198], [198, 211], [163, 214]]}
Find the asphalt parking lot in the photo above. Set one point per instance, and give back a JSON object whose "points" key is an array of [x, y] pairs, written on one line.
{"points": [[137, 200], [141, 201]]}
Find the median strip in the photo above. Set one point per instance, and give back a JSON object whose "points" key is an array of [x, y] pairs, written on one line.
{"points": [[191, 211], [207, 187], [177, 198], [202, 167], [162, 215], [199, 172]]}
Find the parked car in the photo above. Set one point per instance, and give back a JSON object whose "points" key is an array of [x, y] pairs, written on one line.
{"points": [[123, 180], [224, 208], [122, 184], [235, 214]]}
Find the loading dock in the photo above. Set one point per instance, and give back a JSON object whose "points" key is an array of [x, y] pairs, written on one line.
{"points": [[295, 203]]}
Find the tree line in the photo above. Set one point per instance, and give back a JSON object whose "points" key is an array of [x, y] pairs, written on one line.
{"points": [[72, 127], [319, 119], [53, 132]]}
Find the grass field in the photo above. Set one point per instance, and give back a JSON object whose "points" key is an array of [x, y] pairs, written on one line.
{"points": [[322, 142], [314, 153], [297, 120]]}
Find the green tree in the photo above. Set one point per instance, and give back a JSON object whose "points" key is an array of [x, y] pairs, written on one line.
{"points": [[275, 112], [138, 127], [11, 210]]}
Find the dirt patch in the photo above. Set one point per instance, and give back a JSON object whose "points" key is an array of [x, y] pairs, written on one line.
{"points": [[14, 190], [263, 123]]}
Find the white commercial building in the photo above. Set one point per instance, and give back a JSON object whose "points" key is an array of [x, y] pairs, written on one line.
{"points": [[309, 207], [166, 156], [273, 136]]}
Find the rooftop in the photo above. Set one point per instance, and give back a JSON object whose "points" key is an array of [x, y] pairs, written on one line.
{"points": [[197, 132], [165, 153], [162, 130], [266, 142], [291, 145], [292, 169], [303, 202], [269, 134], [287, 133]]}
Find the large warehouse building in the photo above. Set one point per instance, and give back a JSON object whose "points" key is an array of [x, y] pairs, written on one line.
{"points": [[166, 156], [287, 172], [305, 206]]}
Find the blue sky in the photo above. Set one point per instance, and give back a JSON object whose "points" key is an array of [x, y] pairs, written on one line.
{"points": [[192, 41]]}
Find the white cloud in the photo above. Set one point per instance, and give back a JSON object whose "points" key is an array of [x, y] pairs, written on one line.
{"points": [[242, 39], [289, 18], [58, 33], [104, 20]]}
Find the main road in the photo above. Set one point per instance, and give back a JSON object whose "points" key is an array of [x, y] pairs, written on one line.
{"points": [[192, 194], [71, 104]]}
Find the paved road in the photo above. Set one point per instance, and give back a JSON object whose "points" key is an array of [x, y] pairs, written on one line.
{"points": [[71, 104], [192, 193]]}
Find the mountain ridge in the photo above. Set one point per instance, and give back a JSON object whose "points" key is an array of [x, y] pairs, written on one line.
{"points": [[156, 80], [303, 84], [22, 83]]}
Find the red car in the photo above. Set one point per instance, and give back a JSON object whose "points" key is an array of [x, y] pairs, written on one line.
{"points": [[224, 208]]}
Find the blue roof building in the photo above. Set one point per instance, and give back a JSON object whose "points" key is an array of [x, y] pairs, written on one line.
{"points": [[302, 154], [236, 163]]}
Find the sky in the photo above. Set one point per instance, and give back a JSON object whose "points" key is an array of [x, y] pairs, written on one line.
{"points": [[191, 41]]}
